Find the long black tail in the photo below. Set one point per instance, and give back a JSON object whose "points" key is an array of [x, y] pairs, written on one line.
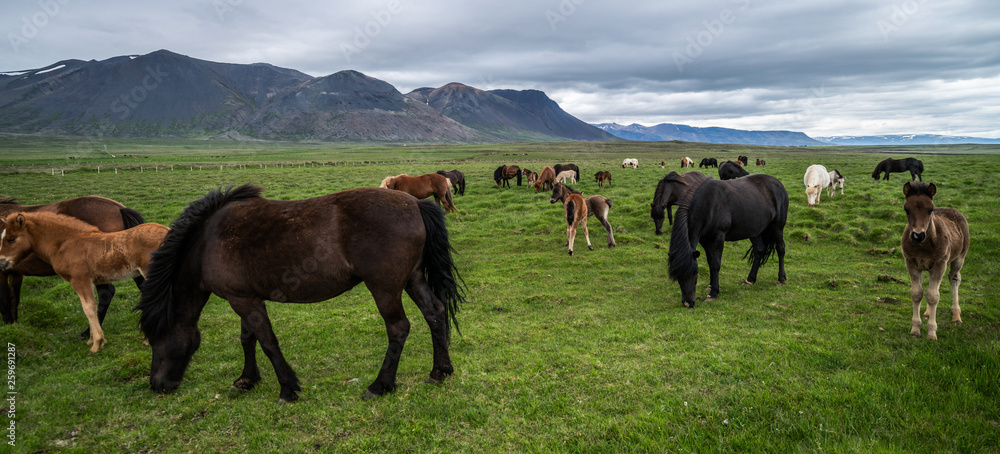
{"points": [[156, 303], [131, 218], [439, 269]]}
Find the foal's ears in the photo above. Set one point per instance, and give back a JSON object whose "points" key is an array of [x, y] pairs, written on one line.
{"points": [[18, 221], [931, 189], [906, 189]]}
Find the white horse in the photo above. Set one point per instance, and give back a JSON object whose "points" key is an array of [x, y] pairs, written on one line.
{"points": [[836, 178], [566, 175], [630, 162], [816, 179]]}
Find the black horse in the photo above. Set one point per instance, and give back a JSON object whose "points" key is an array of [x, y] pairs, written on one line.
{"points": [[560, 167], [730, 170], [247, 249], [745, 160], [669, 191], [457, 179], [708, 162], [889, 165], [504, 173], [754, 207]]}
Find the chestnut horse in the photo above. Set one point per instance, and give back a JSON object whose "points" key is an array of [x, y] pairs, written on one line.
{"points": [[670, 190], [603, 177], [457, 179], [423, 187], [575, 213], [545, 179], [80, 253], [597, 206], [247, 249], [108, 215], [934, 238], [504, 173]]}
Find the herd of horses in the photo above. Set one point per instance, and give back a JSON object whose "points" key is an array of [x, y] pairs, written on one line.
{"points": [[396, 241]]}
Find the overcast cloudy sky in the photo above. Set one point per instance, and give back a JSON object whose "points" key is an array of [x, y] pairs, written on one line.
{"points": [[825, 67]]}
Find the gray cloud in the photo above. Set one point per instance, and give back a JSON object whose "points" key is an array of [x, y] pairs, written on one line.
{"points": [[833, 67]]}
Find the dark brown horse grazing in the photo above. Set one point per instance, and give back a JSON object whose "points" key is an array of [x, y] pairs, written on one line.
{"points": [[669, 191], [545, 179], [423, 187], [754, 207], [504, 173], [106, 214], [761, 163], [597, 206], [934, 238], [247, 249], [80, 253], [457, 179], [603, 177], [890, 165]]}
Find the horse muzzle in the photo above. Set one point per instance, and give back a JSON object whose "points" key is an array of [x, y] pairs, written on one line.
{"points": [[5, 264], [918, 237]]}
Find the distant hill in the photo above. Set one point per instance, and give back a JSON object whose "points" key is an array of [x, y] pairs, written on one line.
{"points": [[907, 139], [667, 131], [164, 94], [509, 115]]}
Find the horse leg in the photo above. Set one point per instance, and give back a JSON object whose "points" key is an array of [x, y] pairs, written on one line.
{"points": [[955, 278], [437, 319], [935, 276], [570, 236], [397, 329], [780, 249], [713, 255], [85, 290], [916, 294], [104, 294], [7, 308], [251, 373], [603, 217], [253, 315], [586, 234], [757, 247]]}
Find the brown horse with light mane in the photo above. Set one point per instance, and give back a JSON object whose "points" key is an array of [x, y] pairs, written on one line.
{"points": [[80, 253], [106, 214], [422, 187], [597, 206], [545, 179], [575, 213], [934, 238]]}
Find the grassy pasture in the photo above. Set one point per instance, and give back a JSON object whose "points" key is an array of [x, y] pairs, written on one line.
{"points": [[590, 353]]}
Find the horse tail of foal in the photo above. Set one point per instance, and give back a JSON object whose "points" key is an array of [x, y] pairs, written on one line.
{"points": [[156, 303], [439, 269], [131, 218], [570, 209]]}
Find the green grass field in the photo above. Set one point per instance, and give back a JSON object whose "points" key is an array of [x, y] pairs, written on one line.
{"points": [[589, 353]]}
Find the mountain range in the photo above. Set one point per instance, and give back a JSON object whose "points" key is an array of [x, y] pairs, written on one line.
{"points": [[164, 94], [905, 139], [669, 131]]}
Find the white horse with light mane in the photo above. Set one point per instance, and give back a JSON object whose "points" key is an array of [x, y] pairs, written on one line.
{"points": [[816, 179], [566, 175]]}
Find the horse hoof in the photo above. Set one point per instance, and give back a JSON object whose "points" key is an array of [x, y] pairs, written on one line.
{"points": [[709, 298], [688, 305], [369, 395], [747, 283], [781, 283], [570, 252], [590, 247]]}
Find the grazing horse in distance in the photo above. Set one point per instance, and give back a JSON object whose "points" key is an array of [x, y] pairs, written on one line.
{"points": [[816, 180], [743, 159], [597, 206], [669, 191], [687, 162], [530, 176], [545, 179], [630, 162], [663, 164], [106, 214], [247, 250], [560, 168], [570, 175], [504, 173], [423, 187], [731, 169], [890, 165], [934, 238], [603, 177], [760, 162], [754, 207], [708, 162], [80, 253], [457, 179], [836, 178]]}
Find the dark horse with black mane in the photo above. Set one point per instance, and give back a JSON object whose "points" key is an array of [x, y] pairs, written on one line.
{"points": [[504, 173], [754, 207], [669, 191], [247, 249], [106, 214], [561, 167], [457, 179], [890, 165], [731, 169]]}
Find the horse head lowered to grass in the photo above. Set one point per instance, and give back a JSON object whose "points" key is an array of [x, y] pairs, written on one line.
{"points": [[247, 249]]}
